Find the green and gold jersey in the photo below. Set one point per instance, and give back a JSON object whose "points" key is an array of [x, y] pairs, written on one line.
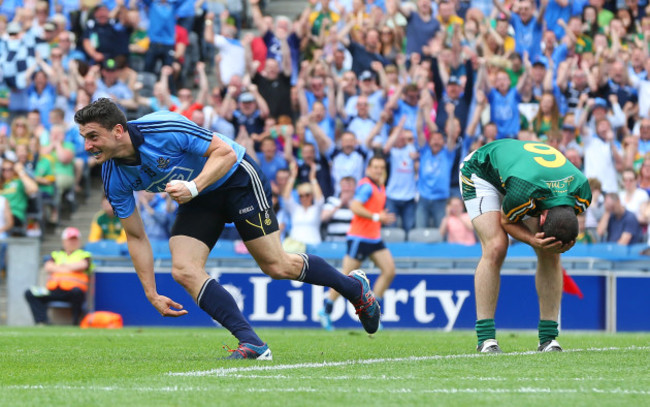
{"points": [[531, 176]]}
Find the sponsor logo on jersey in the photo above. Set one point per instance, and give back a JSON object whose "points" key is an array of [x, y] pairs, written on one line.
{"points": [[560, 186], [246, 210]]}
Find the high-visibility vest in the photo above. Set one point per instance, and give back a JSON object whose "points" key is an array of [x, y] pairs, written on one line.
{"points": [[367, 228], [69, 279]]}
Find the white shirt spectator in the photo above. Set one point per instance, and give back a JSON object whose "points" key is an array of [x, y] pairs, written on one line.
{"points": [[635, 202], [233, 57], [347, 165], [361, 128], [305, 222], [599, 162], [376, 102]]}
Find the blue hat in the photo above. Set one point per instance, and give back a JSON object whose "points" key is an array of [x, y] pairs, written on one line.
{"points": [[600, 102], [541, 61], [246, 97], [453, 80], [366, 75]]}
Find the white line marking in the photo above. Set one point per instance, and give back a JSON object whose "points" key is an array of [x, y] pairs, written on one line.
{"points": [[364, 390], [226, 372]]}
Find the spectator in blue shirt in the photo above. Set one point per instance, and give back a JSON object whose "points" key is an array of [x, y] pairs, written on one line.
{"points": [[436, 162], [421, 25], [41, 92], [363, 55], [407, 106], [557, 10], [157, 212], [504, 101], [528, 27], [618, 224], [401, 187], [100, 39], [269, 158], [162, 32]]}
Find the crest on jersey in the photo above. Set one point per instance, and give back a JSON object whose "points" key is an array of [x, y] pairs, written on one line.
{"points": [[163, 162]]}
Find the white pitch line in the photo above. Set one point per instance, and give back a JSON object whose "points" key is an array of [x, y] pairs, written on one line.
{"points": [[364, 390], [225, 372]]}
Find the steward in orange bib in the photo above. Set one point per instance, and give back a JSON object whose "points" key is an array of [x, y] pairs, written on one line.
{"points": [[364, 236], [68, 276]]}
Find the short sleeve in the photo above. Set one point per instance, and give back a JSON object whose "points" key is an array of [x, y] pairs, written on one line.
{"points": [[363, 193]]}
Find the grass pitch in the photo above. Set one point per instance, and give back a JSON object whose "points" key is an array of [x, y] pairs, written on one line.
{"points": [[180, 367]]}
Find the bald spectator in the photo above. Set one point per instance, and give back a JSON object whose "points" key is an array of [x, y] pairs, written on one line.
{"points": [[361, 125], [347, 161]]}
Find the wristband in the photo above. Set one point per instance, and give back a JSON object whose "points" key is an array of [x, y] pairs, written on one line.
{"points": [[375, 217], [190, 185]]}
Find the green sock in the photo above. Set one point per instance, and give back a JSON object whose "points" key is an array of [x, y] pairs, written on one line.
{"points": [[547, 330], [485, 330]]}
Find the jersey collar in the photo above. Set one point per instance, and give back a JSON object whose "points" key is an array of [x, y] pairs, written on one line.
{"points": [[137, 139]]}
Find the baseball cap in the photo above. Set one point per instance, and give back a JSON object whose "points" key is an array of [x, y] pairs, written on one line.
{"points": [[70, 233], [14, 28], [246, 97], [541, 61], [600, 102], [453, 80], [109, 64], [366, 75]]}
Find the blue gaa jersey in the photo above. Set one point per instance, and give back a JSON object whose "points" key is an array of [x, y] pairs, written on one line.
{"points": [[169, 147]]}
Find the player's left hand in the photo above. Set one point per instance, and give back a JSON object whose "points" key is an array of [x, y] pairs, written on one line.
{"points": [[178, 191]]}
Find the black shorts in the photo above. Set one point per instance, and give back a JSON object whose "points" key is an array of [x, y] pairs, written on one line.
{"points": [[245, 199], [360, 250]]}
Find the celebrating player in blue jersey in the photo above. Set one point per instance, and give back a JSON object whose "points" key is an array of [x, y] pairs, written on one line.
{"points": [[214, 182]]}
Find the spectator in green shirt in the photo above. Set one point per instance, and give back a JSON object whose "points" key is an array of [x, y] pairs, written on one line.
{"points": [[62, 155], [17, 187]]}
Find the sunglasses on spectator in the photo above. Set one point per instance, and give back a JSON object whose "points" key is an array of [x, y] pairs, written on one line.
{"points": [[307, 195]]}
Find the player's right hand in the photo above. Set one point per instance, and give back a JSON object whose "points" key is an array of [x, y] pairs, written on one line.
{"points": [[387, 218], [164, 305], [549, 244]]}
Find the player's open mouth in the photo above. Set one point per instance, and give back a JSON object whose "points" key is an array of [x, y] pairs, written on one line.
{"points": [[96, 153]]}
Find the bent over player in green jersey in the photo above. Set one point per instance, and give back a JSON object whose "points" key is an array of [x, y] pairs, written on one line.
{"points": [[532, 192]]}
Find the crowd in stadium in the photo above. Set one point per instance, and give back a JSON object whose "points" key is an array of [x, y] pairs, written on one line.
{"points": [[314, 96]]}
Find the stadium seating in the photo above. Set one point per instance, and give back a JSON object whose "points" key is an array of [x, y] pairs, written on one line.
{"points": [[425, 235], [106, 248], [407, 255], [147, 79], [393, 235]]}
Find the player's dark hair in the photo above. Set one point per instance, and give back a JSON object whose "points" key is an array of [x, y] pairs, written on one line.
{"points": [[561, 223], [103, 111]]}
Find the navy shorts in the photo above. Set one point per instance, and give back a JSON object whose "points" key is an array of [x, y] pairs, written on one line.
{"points": [[245, 199], [359, 249]]}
